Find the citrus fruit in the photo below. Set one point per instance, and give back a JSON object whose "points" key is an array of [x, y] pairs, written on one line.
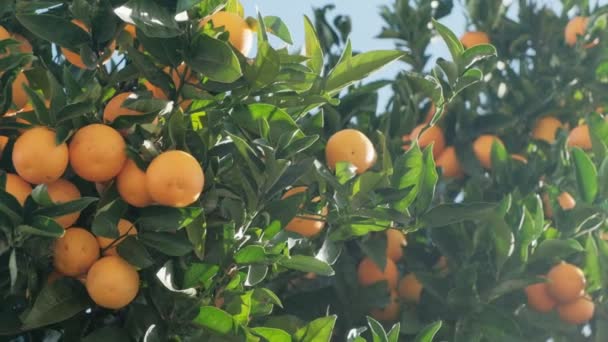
{"points": [[75, 252], [350, 145], [239, 34], [38, 158], [97, 152], [131, 30], [566, 282], [20, 97], [473, 38], [576, 27], [62, 191], [131, 185], [4, 34], [546, 129], [157, 92], [175, 179], [519, 158], [395, 241], [539, 298], [112, 282], [432, 135], [179, 74], [566, 201], [3, 143], [449, 163], [108, 245], [482, 147], [547, 209], [580, 137], [307, 225], [390, 312], [74, 56], [410, 288], [578, 311], [17, 187], [369, 273], [114, 108]]}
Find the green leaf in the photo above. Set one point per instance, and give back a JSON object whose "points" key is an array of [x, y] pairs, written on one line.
{"points": [[428, 180], [320, 329], [64, 33], [306, 263], [313, 47], [553, 250], [393, 334], [150, 17], [74, 206], [271, 334], [215, 320], [42, 226], [428, 333], [134, 252], [214, 59], [108, 333], [265, 69], [277, 27], [198, 274], [475, 54], [42, 113], [378, 333], [448, 214], [593, 272], [106, 219], [159, 218], [586, 175], [251, 254], [450, 39], [358, 67], [255, 274], [41, 196], [173, 244]]}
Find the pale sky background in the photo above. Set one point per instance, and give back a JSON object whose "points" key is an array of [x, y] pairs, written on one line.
{"points": [[366, 24]]}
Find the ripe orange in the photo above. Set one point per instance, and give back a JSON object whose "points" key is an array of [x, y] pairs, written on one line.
{"points": [[306, 225], [539, 298], [566, 201], [131, 185], [130, 29], [578, 311], [482, 147], [575, 27], [3, 142], [17, 187], [369, 273], [175, 179], [449, 163], [546, 129], [181, 72], [239, 33], [580, 137], [390, 312], [432, 135], [112, 282], [410, 288], [395, 241], [97, 152], [62, 191], [350, 145], [114, 108], [566, 282], [472, 38], [20, 97], [75, 252], [37, 157], [108, 245]]}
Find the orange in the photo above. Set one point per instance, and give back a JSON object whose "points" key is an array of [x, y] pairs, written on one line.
{"points": [[449, 163], [3, 143], [369, 273], [580, 137], [472, 38], [114, 108], [566, 282], [519, 158], [38, 158], [350, 145], [306, 225], [97, 152], [75, 252], [547, 209], [539, 298], [410, 288], [112, 282], [17, 187], [546, 129], [62, 191], [566, 201], [157, 92], [482, 147], [239, 33], [74, 56], [432, 135], [131, 185], [578, 311], [181, 72], [175, 179], [108, 245], [575, 27], [130, 29], [395, 241], [53, 277], [390, 312], [20, 97], [25, 46], [4, 34]]}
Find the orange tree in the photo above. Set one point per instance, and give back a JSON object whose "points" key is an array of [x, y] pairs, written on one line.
{"points": [[164, 180]]}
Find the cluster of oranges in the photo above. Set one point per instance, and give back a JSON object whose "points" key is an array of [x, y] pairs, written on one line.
{"points": [[564, 290]]}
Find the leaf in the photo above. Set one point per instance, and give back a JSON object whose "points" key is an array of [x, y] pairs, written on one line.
{"points": [[74, 206], [42, 226], [313, 48], [214, 59], [307, 264], [150, 17], [277, 27], [378, 333], [160, 218], [251, 254], [107, 217], [271, 334], [320, 329], [393, 334], [358, 67], [173, 244], [56, 302], [215, 320], [448, 214], [198, 274], [450, 39], [255, 274], [108, 333], [41, 196], [427, 334], [64, 33], [428, 180], [475, 54], [593, 272], [552, 250], [134, 252], [586, 175], [265, 69]]}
